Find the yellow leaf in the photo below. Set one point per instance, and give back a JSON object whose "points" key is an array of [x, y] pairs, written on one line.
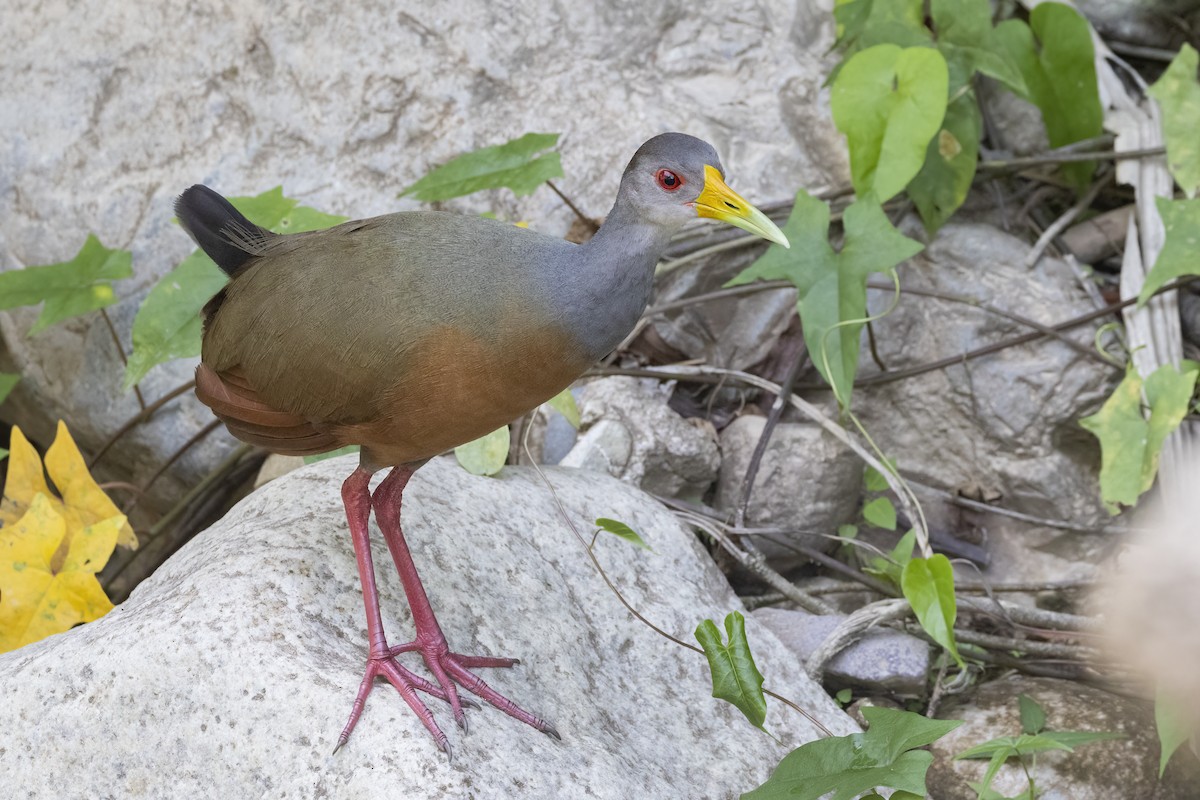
{"points": [[37, 600], [25, 479], [85, 502]]}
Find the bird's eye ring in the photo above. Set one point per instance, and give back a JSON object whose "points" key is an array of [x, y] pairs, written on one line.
{"points": [[668, 180]]}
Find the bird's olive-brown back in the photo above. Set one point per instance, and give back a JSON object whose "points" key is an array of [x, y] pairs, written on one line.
{"points": [[409, 333]]}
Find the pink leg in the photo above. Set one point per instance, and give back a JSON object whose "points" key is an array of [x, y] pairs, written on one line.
{"points": [[447, 667], [357, 499]]}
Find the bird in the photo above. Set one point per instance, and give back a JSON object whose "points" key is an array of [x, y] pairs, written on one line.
{"points": [[411, 333]]}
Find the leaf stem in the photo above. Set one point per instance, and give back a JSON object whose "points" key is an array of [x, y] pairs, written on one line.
{"points": [[112, 330], [584, 218]]}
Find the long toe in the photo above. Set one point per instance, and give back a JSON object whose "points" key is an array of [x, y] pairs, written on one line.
{"points": [[408, 685], [457, 667]]}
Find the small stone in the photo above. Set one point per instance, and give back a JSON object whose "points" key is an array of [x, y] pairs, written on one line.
{"points": [[883, 660], [631, 433], [807, 480]]}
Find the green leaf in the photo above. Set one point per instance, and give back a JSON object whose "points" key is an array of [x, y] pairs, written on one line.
{"points": [[945, 178], [1172, 724], [1181, 221], [847, 531], [1130, 444], [1028, 744], [874, 480], [486, 455], [618, 528], [267, 209], [844, 696], [889, 102], [849, 765], [514, 164], [1178, 92], [865, 23], [8, 381], [735, 677], [1060, 74], [893, 566], [564, 403], [968, 41], [1072, 739], [167, 324], [69, 288], [831, 287], [928, 585], [881, 513], [341, 451], [1033, 717]]}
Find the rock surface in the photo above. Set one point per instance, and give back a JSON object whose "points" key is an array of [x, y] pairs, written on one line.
{"points": [[883, 660], [631, 433], [806, 480], [230, 672], [107, 118], [1101, 771], [1003, 427]]}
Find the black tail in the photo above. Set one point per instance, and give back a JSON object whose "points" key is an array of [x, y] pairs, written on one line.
{"points": [[222, 232]]}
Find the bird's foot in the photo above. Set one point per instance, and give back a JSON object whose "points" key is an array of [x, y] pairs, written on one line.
{"points": [[449, 669], [407, 683], [454, 669]]}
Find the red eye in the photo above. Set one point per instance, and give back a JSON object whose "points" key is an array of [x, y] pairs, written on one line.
{"points": [[668, 180]]}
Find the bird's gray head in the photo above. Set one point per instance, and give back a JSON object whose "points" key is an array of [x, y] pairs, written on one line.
{"points": [[674, 178], [666, 175]]}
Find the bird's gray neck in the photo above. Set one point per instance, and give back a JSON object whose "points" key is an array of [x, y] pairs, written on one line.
{"points": [[611, 279]]}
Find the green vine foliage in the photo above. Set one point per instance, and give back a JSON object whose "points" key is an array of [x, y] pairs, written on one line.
{"points": [[905, 91]]}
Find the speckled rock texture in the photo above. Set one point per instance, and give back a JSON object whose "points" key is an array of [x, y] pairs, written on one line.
{"points": [[630, 432], [1000, 428], [109, 115], [883, 660], [807, 481], [1120, 768], [230, 672]]}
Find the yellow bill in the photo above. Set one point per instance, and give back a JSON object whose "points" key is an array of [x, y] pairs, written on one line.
{"points": [[718, 201]]}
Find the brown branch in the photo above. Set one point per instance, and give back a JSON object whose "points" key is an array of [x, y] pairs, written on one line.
{"points": [[112, 330], [1069, 158], [197, 438], [140, 417], [584, 218], [760, 449]]}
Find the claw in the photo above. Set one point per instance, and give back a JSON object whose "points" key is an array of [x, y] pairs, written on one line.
{"points": [[551, 731]]}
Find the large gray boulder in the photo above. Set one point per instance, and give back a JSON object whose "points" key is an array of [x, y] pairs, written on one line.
{"points": [[109, 115], [230, 671], [1003, 427]]}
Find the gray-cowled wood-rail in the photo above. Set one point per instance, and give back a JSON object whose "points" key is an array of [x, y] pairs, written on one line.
{"points": [[412, 333]]}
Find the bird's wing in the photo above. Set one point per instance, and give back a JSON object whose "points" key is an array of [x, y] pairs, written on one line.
{"points": [[252, 420], [327, 325]]}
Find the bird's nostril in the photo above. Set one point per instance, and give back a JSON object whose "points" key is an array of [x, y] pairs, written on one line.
{"points": [[731, 205]]}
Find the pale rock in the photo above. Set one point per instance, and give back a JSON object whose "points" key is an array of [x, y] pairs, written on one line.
{"points": [[807, 481], [230, 671], [276, 466], [883, 660], [630, 432], [1004, 427]]}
